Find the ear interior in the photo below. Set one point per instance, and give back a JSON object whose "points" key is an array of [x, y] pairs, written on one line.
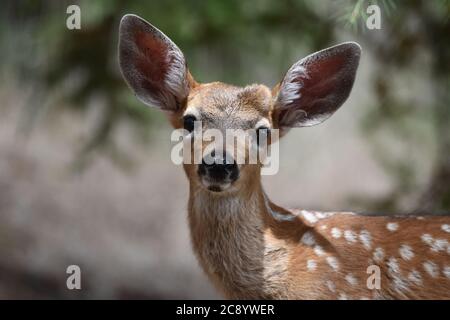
{"points": [[316, 86], [153, 66]]}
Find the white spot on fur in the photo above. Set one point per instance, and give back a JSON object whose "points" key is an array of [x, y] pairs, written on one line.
{"points": [[331, 286], [330, 214], [406, 252], [392, 226], [311, 265], [431, 268], [351, 279], [378, 254], [324, 227], [393, 265], [427, 238], [446, 227], [308, 239], [439, 245], [366, 239], [308, 216], [350, 236], [319, 250], [415, 277], [334, 264], [400, 285], [435, 244], [446, 271], [321, 215], [336, 233]]}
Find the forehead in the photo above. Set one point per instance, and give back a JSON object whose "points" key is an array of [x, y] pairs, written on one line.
{"points": [[220, 104]]}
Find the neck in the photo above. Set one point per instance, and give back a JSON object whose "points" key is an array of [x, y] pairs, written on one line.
{"points": [[228, 238]]}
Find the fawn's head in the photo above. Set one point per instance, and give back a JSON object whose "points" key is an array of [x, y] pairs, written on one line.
{"points": [[310, 92]]}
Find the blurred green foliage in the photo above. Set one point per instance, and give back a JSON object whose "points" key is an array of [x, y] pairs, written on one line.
{"points": [[238, 42]]}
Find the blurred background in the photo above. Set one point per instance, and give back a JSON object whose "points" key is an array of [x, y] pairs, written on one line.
{"points": [[85, 170]]}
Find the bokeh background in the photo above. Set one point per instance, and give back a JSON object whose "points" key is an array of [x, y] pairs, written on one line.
{"points": [[85, 170]]}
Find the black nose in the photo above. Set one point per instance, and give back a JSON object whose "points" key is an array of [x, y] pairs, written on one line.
{"points": [[219, 167]]}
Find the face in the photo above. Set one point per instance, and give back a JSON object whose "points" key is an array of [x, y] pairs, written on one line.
{"points": [[310, 92], [231, 109]]}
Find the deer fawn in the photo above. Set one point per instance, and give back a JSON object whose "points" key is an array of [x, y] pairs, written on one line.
{"points": [[251, 248]]}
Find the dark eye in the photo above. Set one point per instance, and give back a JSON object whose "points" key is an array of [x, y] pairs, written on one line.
{"points": [[188, 123], [262, 133]]}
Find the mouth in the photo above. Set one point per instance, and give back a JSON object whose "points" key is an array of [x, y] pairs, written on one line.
{"points": [[215, 186]]}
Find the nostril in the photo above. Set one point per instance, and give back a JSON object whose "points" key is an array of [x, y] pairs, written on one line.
{"points": [[202, 169], [230, 166], [233, 171]]}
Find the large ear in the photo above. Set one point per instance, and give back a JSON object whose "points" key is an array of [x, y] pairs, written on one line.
{"points": [[153, 66], [316, 86]]}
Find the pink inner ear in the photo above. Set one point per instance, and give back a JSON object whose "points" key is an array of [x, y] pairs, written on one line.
{"points": [[153, 66], [323, 82], [152, 61], [322, 77], [321, 85]]}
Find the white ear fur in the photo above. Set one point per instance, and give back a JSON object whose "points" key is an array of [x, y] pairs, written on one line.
{"points": [[316, 86], [290, 89], [152, 65]]}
